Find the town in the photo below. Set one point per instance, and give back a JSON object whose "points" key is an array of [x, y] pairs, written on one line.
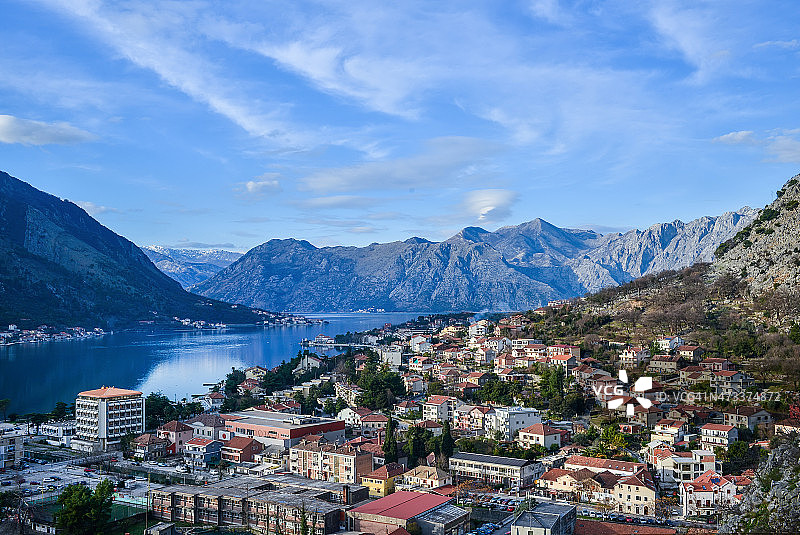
{"points": [[443, 425]]}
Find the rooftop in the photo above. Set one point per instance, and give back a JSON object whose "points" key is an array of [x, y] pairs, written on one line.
{"points": [[402, 505], [108, 392], [490, 459]]}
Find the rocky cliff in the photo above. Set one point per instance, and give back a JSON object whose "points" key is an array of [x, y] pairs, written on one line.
{"points": [[513, 268], [190, 266], [766, 253], [59, 266]]}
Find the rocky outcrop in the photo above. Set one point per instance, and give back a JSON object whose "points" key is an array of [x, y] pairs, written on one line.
{"points": [[190, 266], [766, 253], [513, 268], [771, 504]]}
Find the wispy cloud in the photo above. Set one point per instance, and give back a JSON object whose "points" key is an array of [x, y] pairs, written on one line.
{"points": [[444, 160], [28, 132], [260, 186], [96, 209], [783, 145], [489, 205], [794, 44], [735, 138]]}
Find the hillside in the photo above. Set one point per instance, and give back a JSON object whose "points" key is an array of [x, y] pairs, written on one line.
{"points": [[59, 266], [766, 253], [190, 266], [513, 268]]}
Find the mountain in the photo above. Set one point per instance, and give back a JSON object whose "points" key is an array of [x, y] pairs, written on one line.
{"points": [[59, 266], [766, 253], [189, 266], [512, 268]]}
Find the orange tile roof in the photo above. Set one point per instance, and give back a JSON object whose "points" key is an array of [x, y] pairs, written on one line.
{"points": [[109, 392]]}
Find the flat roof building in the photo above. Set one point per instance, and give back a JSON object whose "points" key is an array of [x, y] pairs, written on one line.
{"points": [[104, 416], [279, 428], [434, 515]]}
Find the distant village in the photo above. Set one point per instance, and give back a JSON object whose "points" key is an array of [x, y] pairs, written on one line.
{"points": [[450, 426], [14, 335]]}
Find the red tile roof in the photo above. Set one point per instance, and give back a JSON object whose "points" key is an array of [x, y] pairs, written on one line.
{"points": [[402, 505], [175, 427], [109, 392]]}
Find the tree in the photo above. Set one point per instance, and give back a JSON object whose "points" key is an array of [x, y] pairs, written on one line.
{"points": [[84, 512], [60, 411], [447, 442], [4, 403], [233, 380], [9, 502], [390, 443], [303, 520]]}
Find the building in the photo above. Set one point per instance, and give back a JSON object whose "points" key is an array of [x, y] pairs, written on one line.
{"points": [[329, 462], [713, 435], [58, 433], [727, 383], [540, 435], [209, 425], [202, 452], [634, 357], [679, 467], [374, 425], [176, 434], [621, 468], [441, 408], [707, 495], [433, 514], [750, 417], [669, 343], [668, 431], [240, 450], [425, 478], [636, 493], [381, 481], [281, 429], [104, 416], [11, 449], [147, 447], [509, 420], [494, 470], [546, 519]]}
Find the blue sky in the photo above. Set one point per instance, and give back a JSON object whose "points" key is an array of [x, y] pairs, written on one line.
{"points": [[197, 123]]}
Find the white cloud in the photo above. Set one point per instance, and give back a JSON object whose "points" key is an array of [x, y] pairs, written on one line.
{"points": [[488, 205], [786, 149], [260, 186], [550, 10], [794, 44], [445, 159], [734, 138], [27, 132], [95, 209]]}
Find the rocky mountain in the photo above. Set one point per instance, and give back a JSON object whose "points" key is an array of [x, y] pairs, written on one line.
{"points": [[513, 268], [190, 266], [766, 253], [59, 266]]}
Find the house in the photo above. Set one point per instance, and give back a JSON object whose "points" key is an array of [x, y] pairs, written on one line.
{"points": [[690, 353], [209, 425], [202, 452], [381, 482], [668, 431], [494, 470], [420, 364], [440, 408], [392, 514], [374, 425], [478, 328], [540, 435], [405, 407], [749, 417], [669, 343], [622, 468], [728, 383], [429, 425], [676, 467], [691, 375], [176, 434], [633, 357], [255, 372], [636, 493], [479, 378], [307, 363], [352, 417], [707, 495], [147, 447], [717, 365], [250, 386], [466, 389], [648, 417], [713, 435], [240, 450], [213, 401], [425, 478], [665, 364], [546, 519]]}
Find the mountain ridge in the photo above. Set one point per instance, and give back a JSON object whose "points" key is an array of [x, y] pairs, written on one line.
{"points": [[515, 267]]}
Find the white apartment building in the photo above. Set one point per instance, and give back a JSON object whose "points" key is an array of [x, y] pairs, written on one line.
{"points": [[104, 416], [713, 435], [509, 420], [682, 467], [329, 462], [11, 449], [440, 408], [58, 433], [478, 328]]}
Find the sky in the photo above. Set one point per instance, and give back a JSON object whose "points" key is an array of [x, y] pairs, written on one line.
{"points": [[226, 124]]}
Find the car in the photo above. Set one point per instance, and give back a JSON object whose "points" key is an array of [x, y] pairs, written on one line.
{"points": [[161, 464], [629, 519], [51, 488], [88, 470], [152, 463], [34, 482], [49, 479], [6, 483]]}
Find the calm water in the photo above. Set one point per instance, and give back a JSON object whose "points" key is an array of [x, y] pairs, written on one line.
{"points": [[35, 376]]}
